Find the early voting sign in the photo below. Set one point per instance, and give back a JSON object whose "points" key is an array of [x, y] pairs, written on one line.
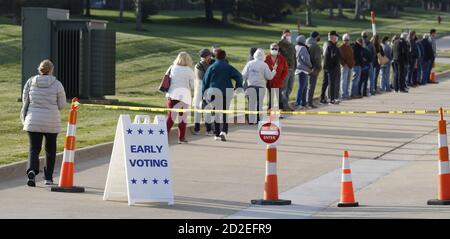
{"points": [[139, 170]]}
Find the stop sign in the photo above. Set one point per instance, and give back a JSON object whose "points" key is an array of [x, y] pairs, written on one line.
{"points": [[269, 132]]}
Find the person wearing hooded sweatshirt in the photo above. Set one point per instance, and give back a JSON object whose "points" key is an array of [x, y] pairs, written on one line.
{"points": [[304, 68], [287, 50], [276, 61], [316, 53], [255, 75], [43, 98], [427, 59], [347, 63], [331, 68]]}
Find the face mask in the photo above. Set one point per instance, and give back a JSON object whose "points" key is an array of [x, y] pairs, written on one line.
{"points": [[289, 39], [274, 52]]}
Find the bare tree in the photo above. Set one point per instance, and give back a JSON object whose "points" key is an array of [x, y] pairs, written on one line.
{"points": [[308, 13], [88, 8]]}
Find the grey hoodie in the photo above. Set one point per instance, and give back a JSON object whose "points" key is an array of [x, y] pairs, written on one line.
{"points": [[257, 72], [302, 55], [43, 98]]}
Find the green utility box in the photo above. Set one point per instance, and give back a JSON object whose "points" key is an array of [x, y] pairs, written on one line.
{"points": [[82, 50]]}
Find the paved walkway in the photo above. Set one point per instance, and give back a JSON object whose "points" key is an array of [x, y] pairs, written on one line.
{"points": [[393, 157]]}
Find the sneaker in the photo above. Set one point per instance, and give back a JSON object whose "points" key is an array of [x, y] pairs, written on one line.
{"points": [[223, 136], [49, 182], [31, 179], [334, 102], [216, 138], [299, 107], [182, 141], [196, 133], [323, 102], [313, 106], [209, 133]]}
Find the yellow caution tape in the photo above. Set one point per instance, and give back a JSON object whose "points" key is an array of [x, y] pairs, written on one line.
{"points": [[160, 109]]}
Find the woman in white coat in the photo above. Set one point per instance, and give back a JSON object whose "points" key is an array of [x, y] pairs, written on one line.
{"points": [[179, 94], [43, 98], [255, 75]]}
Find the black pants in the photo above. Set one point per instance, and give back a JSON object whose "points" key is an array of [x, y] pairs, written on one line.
{"points": [[35, 149], [330, 81], [207, 117], [399, 76], [220, 119]]}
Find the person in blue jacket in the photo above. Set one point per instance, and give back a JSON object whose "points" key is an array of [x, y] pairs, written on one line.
{"points": [[218, 91]]}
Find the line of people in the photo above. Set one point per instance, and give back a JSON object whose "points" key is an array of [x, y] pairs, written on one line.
{"points": [[351, 70]]}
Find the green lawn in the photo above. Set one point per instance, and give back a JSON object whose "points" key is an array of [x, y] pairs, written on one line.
{"points": [[142, 58]]}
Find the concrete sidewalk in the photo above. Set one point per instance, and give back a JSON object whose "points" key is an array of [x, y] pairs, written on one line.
{"points": [[393, 156]]}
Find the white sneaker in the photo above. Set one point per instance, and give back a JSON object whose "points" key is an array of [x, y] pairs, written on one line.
{"points": [[209, 133], [223, 136], [216, 138]]}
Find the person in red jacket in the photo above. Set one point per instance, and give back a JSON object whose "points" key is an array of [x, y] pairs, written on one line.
{"points": [[276, 61]]}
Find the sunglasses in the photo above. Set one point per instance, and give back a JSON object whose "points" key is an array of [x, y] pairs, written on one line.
{"points": [[274, 49]]}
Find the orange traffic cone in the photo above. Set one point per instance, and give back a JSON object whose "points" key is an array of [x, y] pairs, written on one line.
{"points": [[67, 167], [271, 183], [347, 196], [444, 168]]}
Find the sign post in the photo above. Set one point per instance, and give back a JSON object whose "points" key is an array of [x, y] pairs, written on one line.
{"points": [[269, 133]]}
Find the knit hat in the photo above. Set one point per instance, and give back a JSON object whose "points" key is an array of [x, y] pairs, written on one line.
{"points": [[301, 39], [314, 34], [346, 37]]}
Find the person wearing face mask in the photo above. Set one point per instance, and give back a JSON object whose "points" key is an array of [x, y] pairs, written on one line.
{"points": [[316, 53], [276, 61], [198, 102], [304, 68], [287, 50], [331, 67], [370, 47], [347, 63], [255, 75]]}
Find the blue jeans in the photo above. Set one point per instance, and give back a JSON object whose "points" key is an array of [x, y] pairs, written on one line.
{"points": [[385, 77], [302, 79], [371, 78], [426, 69], [356, 72], [345, 80]]}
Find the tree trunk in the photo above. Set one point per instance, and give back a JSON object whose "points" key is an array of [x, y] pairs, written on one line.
{"points": [[308, 13], [88, 8], [357, 9], [138, 4], [331, 15], [209, 10], [340, 9], [121, 8]]}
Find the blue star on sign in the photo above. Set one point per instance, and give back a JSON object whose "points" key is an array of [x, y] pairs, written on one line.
{"points": [[129, 131], [155, 181], [140, 131], [144, 181], [150, 131], [166, 181], [161, 131], [133, 181]]}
